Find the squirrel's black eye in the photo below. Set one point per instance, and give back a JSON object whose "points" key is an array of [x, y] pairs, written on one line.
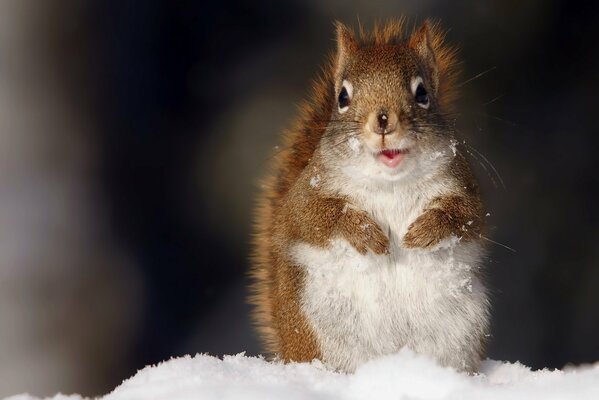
{"points": [[343, 98], [421, 96]]}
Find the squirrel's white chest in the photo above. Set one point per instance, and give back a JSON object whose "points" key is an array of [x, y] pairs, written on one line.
{"points": [[363, 306]]}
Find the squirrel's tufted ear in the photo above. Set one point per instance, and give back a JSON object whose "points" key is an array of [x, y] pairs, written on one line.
{"points": [[421, 42], [346, 46]]}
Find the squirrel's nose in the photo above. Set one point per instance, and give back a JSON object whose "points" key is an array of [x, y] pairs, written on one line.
{"points": [[382, 122], [383, 118]]}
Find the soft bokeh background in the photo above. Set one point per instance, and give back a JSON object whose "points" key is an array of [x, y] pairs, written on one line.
{"points": [[132, 134]]}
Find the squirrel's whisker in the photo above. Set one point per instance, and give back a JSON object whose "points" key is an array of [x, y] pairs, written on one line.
{"points": [[490, 164], [459, 85]]}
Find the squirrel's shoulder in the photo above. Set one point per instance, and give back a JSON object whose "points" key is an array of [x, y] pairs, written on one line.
{"points": [[300, 141]]}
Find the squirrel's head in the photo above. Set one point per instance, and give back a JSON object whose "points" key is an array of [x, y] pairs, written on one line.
{"points": [[392, 97]]}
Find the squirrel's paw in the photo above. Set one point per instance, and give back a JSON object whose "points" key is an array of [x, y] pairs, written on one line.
{"points": [[428, 229], [363, 233]]}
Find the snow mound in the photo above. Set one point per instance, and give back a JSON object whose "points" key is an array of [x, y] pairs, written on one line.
{"points": [[401, 376]]}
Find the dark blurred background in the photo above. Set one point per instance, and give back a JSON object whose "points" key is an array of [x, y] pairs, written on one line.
{"points": [[132, 134]]}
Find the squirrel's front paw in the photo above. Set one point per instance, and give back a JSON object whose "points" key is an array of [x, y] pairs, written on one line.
{"points": [[428, 229], [363, 233]]}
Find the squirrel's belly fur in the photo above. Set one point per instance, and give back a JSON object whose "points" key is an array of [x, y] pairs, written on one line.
{"points": [[363, 306]]}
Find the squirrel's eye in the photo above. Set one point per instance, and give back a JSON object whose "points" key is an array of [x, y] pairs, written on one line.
{"points": [[420, 94], [345, 96]]}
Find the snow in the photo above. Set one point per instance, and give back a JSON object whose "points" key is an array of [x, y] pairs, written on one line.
{"points": [[437, 154], [453, 146], [400, 376], [315, 180], [354, 144]]}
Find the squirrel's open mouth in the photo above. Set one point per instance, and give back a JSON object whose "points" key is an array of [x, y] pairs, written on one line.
{"points": [[392, 157]]}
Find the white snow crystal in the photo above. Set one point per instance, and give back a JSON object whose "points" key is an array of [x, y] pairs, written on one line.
{"points": [[404, 375], [449, 243], [438, 154], [354, 144], [453, 146], [315, 180]]}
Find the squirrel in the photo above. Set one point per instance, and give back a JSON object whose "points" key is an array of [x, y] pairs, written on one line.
{"points": [[368, 233]]}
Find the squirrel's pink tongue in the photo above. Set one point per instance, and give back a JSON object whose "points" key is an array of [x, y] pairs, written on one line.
{"points": [[391, 158]]}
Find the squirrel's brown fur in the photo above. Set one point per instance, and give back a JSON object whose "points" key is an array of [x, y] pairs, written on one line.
{"points": [[277, 281]]}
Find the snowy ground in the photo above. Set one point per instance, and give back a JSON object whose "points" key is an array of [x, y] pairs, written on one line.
{"points": [[401, 376]]}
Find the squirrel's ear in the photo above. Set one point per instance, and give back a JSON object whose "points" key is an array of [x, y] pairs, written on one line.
{"points": [[346, 45], [421, 43]]}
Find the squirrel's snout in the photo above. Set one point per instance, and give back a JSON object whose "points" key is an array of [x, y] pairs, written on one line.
{"points": [[382, 122]]}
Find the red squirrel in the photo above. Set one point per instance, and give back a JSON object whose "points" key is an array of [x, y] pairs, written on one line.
{"points": [[368, 233]]}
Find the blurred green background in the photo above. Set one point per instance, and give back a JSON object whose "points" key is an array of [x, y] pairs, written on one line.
{"points": [[132, 135]]}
